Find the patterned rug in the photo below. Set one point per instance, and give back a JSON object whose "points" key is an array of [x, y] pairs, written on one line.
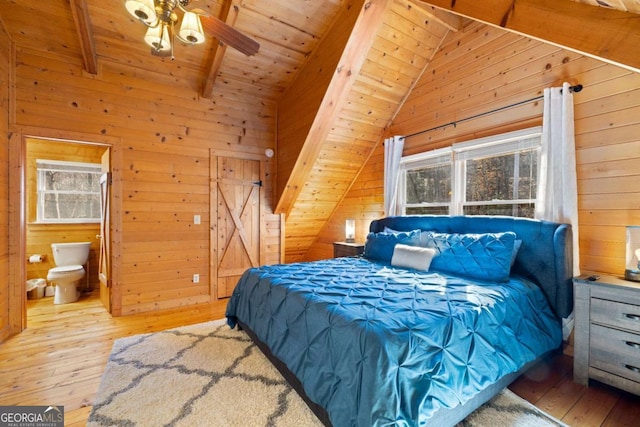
{"points": [[210, 375]]}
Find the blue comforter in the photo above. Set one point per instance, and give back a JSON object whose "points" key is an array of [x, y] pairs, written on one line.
{"points": [[377, 345]]}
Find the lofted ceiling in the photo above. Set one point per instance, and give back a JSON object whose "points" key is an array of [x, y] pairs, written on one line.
{"points": [[375, 50], [287, 31]]}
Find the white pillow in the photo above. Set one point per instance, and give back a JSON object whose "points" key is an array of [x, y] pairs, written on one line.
{"points": [[412, 257]]}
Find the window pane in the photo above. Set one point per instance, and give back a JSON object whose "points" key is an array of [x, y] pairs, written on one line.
{"points": [[490, 178], [528, 175], [521, 210], [430, 185], [493, 178], [71, 206], [72, 181]]}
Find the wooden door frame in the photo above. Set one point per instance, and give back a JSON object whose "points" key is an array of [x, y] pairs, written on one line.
{"points": [[213, 213], [16, 283]]}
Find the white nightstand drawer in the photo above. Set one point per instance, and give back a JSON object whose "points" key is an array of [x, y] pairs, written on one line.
{"points": [[616, 314]]}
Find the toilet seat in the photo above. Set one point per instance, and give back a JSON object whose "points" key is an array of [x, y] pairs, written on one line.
{"points": [[66, 278], [66, 268], [66, 273]]}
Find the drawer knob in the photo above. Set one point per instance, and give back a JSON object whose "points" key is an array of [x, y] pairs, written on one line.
{"points": [[635, 317], [632, 368], [632, 344]]}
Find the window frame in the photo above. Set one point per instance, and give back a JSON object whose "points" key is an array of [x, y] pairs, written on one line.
{"points": [[457, 156], [64, 166]]}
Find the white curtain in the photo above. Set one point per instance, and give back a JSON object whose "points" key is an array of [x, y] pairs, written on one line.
{"points": [[557, 193], [392, 154]]}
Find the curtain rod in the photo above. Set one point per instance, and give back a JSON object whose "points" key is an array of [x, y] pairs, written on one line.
{"points": [[576, 88]]}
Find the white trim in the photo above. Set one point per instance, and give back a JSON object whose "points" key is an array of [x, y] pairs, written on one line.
{"points": [[416, 159], [503, 138]]}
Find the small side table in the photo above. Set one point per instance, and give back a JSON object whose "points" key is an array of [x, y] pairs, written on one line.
{"points": [[341, 249], [607, 332]]}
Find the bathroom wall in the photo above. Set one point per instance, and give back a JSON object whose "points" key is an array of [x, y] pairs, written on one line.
{"points": [[40, 236]]}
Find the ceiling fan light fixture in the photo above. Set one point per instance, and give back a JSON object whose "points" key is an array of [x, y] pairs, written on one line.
{"points": [[158, 38], [191, 29], [143, 10], [161, 19]]}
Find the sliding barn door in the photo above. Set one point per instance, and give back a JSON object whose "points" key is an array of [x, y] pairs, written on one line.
{"points": [[235, 239]]}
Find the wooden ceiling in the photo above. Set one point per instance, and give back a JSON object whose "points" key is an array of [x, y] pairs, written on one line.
{"points": [[372, 51], [287, 31]]}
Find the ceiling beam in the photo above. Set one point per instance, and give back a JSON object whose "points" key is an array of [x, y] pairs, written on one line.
{"points": [[343, 74], [607, 34], [450, 20], [85, 35], [229, 15]]}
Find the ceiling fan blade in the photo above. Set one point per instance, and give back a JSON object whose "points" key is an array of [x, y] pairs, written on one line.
{"points": [[229, 35]]}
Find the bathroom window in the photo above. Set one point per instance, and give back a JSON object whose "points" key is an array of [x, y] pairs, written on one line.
{"points": [[68, 192]]}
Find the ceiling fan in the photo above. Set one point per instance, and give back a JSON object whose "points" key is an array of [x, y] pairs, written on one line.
{"points": [[160, 18]]}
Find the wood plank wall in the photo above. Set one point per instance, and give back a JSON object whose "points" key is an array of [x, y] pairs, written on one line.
{"points": [[364, 202], [164, 133], [40, 236], [5, 63], [482, 68]]}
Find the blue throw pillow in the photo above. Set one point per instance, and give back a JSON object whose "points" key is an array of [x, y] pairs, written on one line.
{"points": [[379, 246], [476, 256]]}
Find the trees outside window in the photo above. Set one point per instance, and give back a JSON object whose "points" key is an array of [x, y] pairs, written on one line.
{"points": [[68, 192], [489, 176]]}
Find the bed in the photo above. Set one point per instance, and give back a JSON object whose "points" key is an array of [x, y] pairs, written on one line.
{"points": [[381, 340]]}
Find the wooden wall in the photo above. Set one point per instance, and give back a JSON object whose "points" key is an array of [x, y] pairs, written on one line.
{"points": [[40, 236], [5, 63], [364, 202], [483, 68], [162, 134]]}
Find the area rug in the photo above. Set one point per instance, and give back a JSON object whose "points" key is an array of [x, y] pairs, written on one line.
{"points": [[210, 375]]}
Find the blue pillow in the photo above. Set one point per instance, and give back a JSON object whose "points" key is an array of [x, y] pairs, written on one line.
{"points": [[379, 246], [476, 256]]}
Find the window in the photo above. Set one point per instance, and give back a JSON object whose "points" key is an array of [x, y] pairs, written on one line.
{"points": [[488, 176], [68, 192], [426, 187]]}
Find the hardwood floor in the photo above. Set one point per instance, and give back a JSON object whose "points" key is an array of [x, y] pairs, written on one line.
{"points": [[551, 388], [59, 359]]}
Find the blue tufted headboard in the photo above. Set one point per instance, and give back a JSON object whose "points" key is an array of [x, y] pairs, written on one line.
{"points": [[545, 255]]}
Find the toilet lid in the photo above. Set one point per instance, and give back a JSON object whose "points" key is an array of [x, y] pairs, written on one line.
{"points": [[66, 268]]}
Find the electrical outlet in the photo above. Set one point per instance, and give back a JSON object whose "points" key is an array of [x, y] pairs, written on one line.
{"points": [[196, 278], [196, 219]]}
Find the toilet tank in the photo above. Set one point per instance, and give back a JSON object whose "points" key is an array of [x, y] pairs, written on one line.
{"points": [[76, 253]]}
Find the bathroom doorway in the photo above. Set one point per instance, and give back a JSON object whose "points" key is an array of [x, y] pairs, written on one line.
{"points": [[64, 202]]}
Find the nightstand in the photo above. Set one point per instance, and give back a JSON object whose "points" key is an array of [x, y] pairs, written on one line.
{"points": [[607, 332], [341, 249]]}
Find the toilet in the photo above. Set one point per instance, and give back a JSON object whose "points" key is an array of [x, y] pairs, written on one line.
{"points": [[69, 259]]}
